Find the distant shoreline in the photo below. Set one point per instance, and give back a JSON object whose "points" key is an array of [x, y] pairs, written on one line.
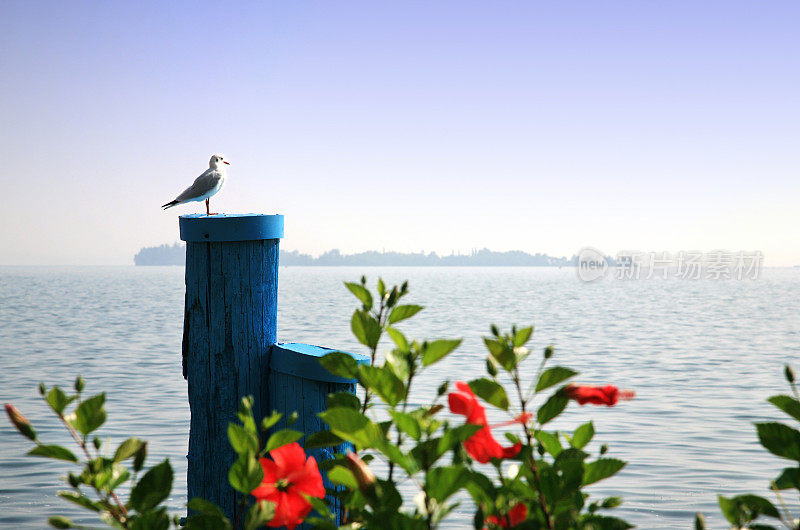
{"points": [[176, 255]]}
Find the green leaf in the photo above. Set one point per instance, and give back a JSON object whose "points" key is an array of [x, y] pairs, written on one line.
{"points": [[611, 502], [366, 329], [245, 474], [442, 482], [731, 510], [522, 336], [322, 439], [351, 425], [403, 312], [259, 515], [383, 382], [340, 363], [399, 339], [582, 435], [242, 440], [342, 475], [438, 349], [600, 469], [58, 400], [81, 500], [90, 414], [407, 423], [504, 356], [779, 439], [206, 516], [152, 520], [758, 505], [551, 408], [269, 421], [398, 362], [60, 522], [455, 436], [139, 457], [490, 391], [550, 442], [361, 292], [553, 376], [281, 438], [153, 488], [53, 451], [789, 478], [787, 404], [127, 449], [344, 399], [203, 506]]}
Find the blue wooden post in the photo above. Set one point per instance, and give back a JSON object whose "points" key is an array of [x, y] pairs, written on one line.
{"points": [[297, 382], [230, 322], [229, 349]]}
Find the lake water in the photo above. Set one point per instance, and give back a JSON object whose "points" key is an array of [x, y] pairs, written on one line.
{"points": [[702, 356]]}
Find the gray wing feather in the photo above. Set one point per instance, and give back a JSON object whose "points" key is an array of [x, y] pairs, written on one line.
{"points": [[202, 184]]}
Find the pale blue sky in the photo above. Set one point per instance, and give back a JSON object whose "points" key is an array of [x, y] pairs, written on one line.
{"points": [[436, 126]]}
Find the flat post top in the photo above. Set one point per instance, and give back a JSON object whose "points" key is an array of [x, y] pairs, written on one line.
{"points": [[302, 360], [230, 227]]}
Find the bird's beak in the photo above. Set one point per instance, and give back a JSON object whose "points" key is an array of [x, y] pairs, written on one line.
{"points": [[225, 162]]}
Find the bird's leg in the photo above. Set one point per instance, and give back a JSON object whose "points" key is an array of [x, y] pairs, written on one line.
{"points": [[208, 212]]}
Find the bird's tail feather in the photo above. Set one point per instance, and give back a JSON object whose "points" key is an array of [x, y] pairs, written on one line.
{"points": [[170, 204]]}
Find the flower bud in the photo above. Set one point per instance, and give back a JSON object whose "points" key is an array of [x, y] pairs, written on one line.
{"points": [[603, 449], [491, 369], [699, 521], [364, 475], [79, 384], [789, 373], [20, 422], [42, 389], [549, 351]]}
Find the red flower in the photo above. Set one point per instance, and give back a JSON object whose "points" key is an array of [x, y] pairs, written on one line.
{"points": [[481, 446], [516, 515], [287, 478], [607, 395]]}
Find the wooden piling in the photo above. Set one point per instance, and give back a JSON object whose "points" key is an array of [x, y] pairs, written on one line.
{"points": [[230, 325], [229, 349]]}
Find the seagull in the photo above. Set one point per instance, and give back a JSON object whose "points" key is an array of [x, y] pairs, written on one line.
{"points": [[205, 185]]}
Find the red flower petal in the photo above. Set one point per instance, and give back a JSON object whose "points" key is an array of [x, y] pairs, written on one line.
{"points": [[310, 480], [608, 395], [481, 446], [509, 452], [517, 514], [288, 458]]}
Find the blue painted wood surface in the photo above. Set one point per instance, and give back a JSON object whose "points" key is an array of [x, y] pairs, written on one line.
{"points": [[297, 382], [229, 227], [229, 349], [231, 321]]}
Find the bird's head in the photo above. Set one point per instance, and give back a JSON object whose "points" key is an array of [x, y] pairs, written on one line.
{"points": [[217, 161]]}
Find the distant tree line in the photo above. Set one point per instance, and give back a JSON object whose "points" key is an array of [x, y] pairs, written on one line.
{"points": [[176, 255]]}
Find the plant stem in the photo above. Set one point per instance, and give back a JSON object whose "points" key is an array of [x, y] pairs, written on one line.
{"points": [[788, 521], [529, 437], [123, 512], [405, 406]]}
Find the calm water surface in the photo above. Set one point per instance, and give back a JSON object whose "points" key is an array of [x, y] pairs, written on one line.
{"points": [[702, 356]]}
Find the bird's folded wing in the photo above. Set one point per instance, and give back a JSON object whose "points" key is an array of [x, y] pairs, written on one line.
{"points": [[202, 185]]}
